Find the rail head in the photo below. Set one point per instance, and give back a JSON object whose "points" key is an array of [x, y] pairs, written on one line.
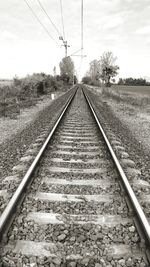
{"points": [[6, 217], [144, 224]]}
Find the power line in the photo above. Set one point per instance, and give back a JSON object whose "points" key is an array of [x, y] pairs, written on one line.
{"points": [[63, 38], [74, 53], [40, 21], [62, 19], [49, 18]]}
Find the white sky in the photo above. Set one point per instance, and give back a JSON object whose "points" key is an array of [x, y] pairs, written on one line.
{"points": [[120, 26]]}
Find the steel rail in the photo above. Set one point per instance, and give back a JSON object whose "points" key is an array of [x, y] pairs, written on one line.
{"points": [[7, 213], [137, 207]]}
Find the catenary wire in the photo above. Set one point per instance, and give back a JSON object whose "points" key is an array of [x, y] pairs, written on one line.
{"points": [[40, 22], [49, 17], [74, 53]]}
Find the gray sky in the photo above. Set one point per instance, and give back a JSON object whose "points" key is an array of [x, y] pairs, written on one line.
{"points": [[120, 26]]}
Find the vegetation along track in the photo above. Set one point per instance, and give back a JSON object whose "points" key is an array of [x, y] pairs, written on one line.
{"points": [[75, 211]]}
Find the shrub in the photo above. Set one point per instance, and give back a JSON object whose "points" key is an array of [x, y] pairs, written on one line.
{"points": [[40, 88], [87, 80]]}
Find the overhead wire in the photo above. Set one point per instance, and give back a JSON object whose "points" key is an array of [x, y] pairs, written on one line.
{"points": [[42, 7], [38, 19], [62, 19], [82, 42], [63, 27], [74, 53]]}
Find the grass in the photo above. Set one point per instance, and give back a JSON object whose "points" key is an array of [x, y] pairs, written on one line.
{"points": [[17, 94], [6, 82], [144, 90], [134, 95], [23, 93]]}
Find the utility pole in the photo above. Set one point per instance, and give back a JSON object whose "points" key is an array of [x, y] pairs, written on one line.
{"points": [[54, 71], [66, 47], [82, 27], [65, 44]]}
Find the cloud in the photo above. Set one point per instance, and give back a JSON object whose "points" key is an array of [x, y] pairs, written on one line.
{"points": [[111, 37], [110, 22], [7, 36], [144, 30], [115, 25]]}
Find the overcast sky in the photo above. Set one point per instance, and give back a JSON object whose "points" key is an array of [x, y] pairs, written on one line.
{"points": [[120, 26]]}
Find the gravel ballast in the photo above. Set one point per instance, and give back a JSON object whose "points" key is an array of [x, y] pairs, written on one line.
{"points": [[71, 225]]}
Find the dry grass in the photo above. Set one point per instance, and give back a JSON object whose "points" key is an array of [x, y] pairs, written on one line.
{"points": [[6, 82], [132, 89], [23, 93], [14, 97], [135, 95]]}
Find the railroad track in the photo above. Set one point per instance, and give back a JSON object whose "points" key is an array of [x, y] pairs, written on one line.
{"points": [[74, 209]]}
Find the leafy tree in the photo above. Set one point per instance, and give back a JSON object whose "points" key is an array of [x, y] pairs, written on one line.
{"points": [[104, 69], [87, 80], [75, 79], [17, 81], [108, 67], [121, 81], [66, 78], [67, 69]]}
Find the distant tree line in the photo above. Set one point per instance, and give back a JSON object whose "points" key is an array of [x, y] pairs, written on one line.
{"points": [[133, 81]]}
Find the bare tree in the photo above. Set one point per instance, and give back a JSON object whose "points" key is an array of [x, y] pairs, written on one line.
{"points": [[95, 70]]}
